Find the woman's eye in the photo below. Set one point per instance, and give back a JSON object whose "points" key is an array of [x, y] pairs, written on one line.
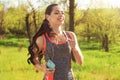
{"points": [[62, 12], [56, 13]]}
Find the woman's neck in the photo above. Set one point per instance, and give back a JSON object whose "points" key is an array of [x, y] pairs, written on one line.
{"points": [[57, 30]]}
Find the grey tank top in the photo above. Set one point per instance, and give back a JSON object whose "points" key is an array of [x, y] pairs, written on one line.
{"points": [[60, 54]]}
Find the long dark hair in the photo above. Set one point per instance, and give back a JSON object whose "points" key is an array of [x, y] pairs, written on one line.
{"points": [[45, 27]]}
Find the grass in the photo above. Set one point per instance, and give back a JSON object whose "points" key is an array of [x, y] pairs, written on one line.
{"points": [[98, 65], [14, 66]]}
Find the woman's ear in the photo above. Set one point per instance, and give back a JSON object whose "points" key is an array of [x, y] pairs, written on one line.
{"points": [[47, 17]]}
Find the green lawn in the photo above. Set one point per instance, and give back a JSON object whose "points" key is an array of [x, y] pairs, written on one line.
{"points": [[98, 65], [14, 66]]}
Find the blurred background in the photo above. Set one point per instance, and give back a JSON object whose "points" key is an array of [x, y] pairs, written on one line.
{"points": [[95, 22]]}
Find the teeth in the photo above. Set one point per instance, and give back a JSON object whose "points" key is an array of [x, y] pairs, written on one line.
{"points": [[60, 19]]}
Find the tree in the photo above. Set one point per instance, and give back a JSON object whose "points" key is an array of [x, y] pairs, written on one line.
{"points": [[2, 29], [104, 25], [28, 28], [31, 22], [71, 15]]}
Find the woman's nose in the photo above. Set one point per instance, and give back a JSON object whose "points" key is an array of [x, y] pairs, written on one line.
{"points": [[61, 14]]}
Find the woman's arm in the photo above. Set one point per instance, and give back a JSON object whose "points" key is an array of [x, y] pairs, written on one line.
{"points": [[75, 48], [41, 67], [37, 64]]}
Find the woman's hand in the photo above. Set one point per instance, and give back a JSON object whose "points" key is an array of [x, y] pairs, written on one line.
{"points": [[75, 48], [47, 70], [71, 43], [50, 70]]}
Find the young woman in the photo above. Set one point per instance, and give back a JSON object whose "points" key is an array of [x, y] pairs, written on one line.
{"points": [[56, 45]]}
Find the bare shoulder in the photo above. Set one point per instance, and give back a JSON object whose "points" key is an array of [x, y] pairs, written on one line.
{"points": [[72, 34], [39, 42]]}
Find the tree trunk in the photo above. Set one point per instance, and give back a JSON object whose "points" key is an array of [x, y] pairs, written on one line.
{"points": [[2, 29], [88, 33], [34, 16], [34, 20], [28, 28], [105, 43], [71, 15]]}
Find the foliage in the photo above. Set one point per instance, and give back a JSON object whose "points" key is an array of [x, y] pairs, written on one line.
{"points": [[99, 23], [2, 29], [14, 19], [1, 7]]}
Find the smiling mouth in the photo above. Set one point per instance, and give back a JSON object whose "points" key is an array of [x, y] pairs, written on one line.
{"points": [[61, 19]]}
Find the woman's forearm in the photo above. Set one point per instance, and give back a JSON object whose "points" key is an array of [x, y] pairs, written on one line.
{"points": [[78, 56], [40, 67]]}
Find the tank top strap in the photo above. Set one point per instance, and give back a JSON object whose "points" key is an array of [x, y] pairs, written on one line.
{"points": [[44, 43], [67, 35]]}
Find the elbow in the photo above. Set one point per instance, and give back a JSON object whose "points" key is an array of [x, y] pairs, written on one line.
{"points": [[80, 62]]}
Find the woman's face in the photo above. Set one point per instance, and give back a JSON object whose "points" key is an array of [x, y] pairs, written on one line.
{"points": [[56, 18]]}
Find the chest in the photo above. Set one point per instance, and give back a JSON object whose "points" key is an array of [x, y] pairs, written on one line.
{"points": [[58, 51]]}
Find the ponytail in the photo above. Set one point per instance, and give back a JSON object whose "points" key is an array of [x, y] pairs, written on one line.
{"points": [[43, 29]]}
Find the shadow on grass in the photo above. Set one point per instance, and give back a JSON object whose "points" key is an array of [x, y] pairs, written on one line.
{"points": [[84, 45], [14, 42]]}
